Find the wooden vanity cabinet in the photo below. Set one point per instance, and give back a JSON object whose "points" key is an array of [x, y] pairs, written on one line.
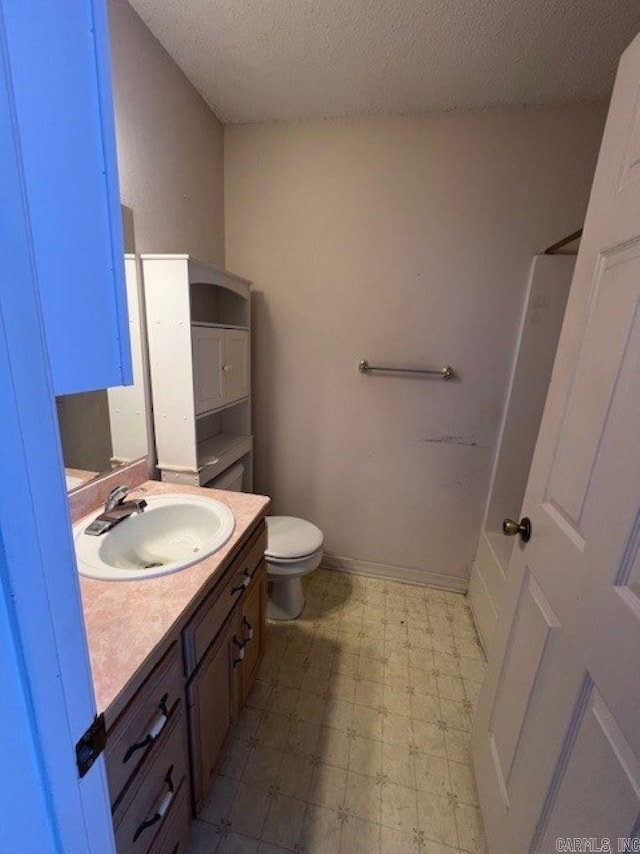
{"points": [[147, 761], [212, 702], [137, 731], [226, 648], [147, 807], [201, 630], [163, 750]]}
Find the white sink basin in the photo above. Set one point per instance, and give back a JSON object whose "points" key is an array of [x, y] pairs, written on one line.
{"points": [[173, 532]]}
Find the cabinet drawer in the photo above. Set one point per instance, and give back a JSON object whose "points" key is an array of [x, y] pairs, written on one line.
{"points": [[174, 836], [139, 727], [145, 809], [210, 617]]}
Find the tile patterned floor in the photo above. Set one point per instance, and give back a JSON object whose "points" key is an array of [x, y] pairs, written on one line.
{"points": [[357, 735]]}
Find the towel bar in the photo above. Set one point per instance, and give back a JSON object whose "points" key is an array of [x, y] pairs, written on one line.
{"points": [[445, 373]]}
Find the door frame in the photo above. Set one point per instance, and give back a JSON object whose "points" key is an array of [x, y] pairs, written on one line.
{"points": [[48, 699]]}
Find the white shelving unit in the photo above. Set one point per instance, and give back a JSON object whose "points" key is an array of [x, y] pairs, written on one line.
{"points": [[199, 331]]}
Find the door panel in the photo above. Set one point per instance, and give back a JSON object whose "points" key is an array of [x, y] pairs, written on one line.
{"points": [[599, 366], [598, 788], [208, 359], [212, 704], [531, 638], [556, 737], [236, 365]]}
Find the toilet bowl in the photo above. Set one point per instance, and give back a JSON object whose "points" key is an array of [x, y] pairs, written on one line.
{"points": [[294, 548]]}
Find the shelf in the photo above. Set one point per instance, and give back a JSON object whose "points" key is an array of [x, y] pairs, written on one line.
{"points": [[212, 325], [221, 408], [212, 450], [215, 455]]}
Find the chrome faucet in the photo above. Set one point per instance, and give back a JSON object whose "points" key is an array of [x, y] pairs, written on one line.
{"points": [[115, 497], [115, 510]]}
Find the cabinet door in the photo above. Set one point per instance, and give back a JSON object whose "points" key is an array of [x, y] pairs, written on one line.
{"points": [[212, 697], [208, 358], [236, 366], [58, 54], [253, 629]]}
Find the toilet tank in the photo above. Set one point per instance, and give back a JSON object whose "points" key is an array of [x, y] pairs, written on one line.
{"points": [[230, 480]]}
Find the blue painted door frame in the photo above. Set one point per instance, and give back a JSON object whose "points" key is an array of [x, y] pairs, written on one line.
{"points": [[47, 693]]}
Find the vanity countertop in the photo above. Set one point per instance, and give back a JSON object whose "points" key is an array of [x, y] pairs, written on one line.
{"points": [[126, 621]]}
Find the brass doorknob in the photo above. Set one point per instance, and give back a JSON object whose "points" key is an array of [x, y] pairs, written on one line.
{"points": [[510, 528]]}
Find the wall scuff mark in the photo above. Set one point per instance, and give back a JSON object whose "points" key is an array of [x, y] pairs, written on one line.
{"points": [[464, 441]]}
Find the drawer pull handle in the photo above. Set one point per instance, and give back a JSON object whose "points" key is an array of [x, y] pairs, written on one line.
{"points": [[240, 646], [161, 809], [249, 629], [157, 725], [246, 581]]}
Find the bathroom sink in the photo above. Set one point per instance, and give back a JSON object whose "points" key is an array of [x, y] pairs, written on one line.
{"points": [[173, 533]]}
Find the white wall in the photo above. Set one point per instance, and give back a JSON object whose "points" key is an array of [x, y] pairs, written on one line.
{"points": [[405, 240], [170, 146]]}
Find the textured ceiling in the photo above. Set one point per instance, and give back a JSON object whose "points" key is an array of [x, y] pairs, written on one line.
{"points": [[264, 60]]}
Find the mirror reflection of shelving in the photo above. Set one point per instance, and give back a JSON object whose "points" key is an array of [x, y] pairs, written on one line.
{"points": [[104, 429], [199, 319]]}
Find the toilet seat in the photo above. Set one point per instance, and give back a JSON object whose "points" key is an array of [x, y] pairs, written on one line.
{"points": [[290, 561], [290, 539], [293, 568]]}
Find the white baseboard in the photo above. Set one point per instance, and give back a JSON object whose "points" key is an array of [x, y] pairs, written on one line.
{"points": [[406, 574]]}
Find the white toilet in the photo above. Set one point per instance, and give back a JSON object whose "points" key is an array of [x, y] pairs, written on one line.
{"points": [[294, 548]]}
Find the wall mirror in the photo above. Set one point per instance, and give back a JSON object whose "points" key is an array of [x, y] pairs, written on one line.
{"points": [[105, 429]]}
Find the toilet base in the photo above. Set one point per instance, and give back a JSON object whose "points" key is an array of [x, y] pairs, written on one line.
{"points": [[286, 599]]}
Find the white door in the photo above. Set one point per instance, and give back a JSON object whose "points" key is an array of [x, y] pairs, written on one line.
{"points": [[208, 360], [236, 365], [557, 731]]}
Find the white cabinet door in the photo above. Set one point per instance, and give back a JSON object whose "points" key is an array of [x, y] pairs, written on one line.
{"points": [[557, 735], [208, 345], [220, 366], [236, 366]]}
